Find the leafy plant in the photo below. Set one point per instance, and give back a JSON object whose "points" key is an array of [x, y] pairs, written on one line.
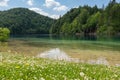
{"points": [[4, 34]]}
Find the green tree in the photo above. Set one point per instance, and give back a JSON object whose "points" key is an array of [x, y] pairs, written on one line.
{"points": [[109, 22], [115, 17], [92, 23], [79, 22], [82, 18], [66, 29], [4, 34]]}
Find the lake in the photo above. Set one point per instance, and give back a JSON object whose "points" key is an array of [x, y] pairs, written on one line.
{"points": [[88, 49]]}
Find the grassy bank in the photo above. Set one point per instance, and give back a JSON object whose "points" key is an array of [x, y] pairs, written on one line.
{"points": [[18, 67]]}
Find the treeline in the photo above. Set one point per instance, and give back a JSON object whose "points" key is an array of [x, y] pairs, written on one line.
{"points": [[90, 20], [24, 21]]}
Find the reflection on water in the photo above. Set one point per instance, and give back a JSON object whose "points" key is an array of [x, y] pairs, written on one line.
{"points": [[69, 37], [57, 54]]}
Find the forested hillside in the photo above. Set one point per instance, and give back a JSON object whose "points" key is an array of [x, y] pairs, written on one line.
{"points": [[78, 21], [90, 20], [24, 21]]}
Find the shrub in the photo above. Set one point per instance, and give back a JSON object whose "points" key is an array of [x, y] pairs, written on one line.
{"points": [[4, 34]]}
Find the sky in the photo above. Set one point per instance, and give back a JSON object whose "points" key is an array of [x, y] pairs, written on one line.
{"points": [[50, 8]]}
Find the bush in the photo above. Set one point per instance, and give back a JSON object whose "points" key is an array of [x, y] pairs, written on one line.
{"points": [[4, 34]]}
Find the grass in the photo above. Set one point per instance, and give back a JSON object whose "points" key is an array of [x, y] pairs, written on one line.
{"points": [[19, 67]]}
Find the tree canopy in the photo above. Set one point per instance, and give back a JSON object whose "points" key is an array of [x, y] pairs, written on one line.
{"points": [[87, 20], [25, 21]]}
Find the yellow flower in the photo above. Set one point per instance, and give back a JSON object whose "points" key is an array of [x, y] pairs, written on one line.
{"points": [[27, 64], [17, 67]]}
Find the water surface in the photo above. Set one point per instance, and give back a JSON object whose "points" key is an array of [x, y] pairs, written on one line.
{"points": [[87, 49]]}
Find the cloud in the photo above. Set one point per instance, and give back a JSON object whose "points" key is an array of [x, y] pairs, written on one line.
{"points": [[60, 8], [30, 2], [4, 3], [40, 11], [51, 3], [54, 16], [55, 5]]}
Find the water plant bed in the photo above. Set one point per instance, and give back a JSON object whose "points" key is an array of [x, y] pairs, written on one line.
{"points": [[19, 67]]}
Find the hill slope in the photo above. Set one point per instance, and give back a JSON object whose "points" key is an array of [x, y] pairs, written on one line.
{"points": [[25, 21], [90, 20]]}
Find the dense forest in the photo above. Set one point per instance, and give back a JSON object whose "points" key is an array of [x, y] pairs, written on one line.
{"points": [[78, 21], [90, 20], [24, 21]]}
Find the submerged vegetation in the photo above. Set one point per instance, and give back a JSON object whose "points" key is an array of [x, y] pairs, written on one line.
{"points": [[14, 67]]}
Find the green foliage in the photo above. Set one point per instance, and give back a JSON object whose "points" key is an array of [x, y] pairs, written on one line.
{"points": [[76, 26], [92, 23], [4, 34], [83, 16], [89, 20], [111, 18], [25, 21], [115, 17]]}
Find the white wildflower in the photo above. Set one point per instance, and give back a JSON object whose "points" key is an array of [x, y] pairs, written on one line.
{"points": [[82, 74], [115, 75], [42, 79], [86, 78]]}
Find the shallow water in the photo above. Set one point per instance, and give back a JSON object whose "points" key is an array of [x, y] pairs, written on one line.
{"points": [[55, 54], [58, 54], [90, 50]]}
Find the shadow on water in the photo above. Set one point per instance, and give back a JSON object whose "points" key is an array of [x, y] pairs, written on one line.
{"points": [[69, 37]]}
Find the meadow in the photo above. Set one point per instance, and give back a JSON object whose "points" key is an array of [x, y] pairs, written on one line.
{"points": [[20, 67]]}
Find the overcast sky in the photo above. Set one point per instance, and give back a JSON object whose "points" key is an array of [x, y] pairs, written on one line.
{"points": [[51, 8]]}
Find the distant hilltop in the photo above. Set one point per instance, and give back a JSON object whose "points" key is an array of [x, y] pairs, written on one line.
{"points": [[25, 21]]}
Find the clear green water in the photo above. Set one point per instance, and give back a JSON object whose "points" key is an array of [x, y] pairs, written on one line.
{"points": [[89, 42], [84, 48]]}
